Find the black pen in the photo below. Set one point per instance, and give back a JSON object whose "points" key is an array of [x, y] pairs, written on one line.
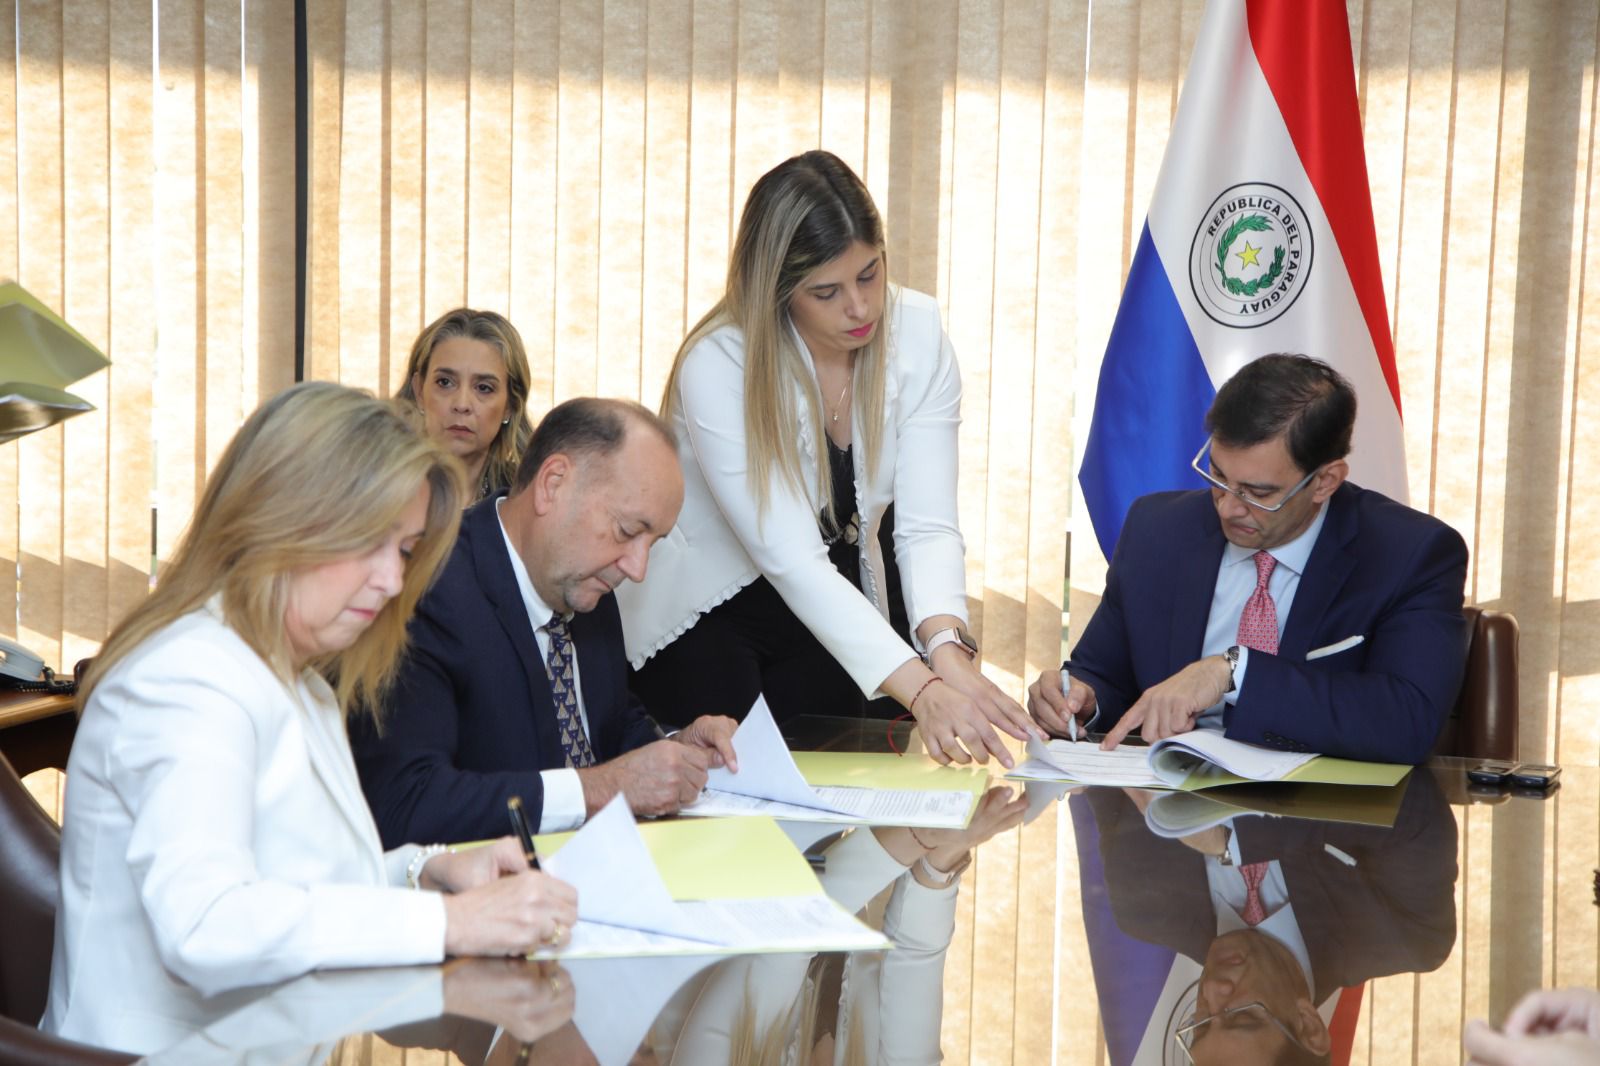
{"points": [[519, 826]]}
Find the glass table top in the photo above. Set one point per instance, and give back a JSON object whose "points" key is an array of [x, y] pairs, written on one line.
{"points": [[1091, 927]]}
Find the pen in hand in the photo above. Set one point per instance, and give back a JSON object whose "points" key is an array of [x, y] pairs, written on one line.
{"points": [[519, 826], [1072, 718]]}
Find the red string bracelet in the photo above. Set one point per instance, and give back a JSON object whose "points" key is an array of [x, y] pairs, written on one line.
{"points": [[912, 706], [890, 731]]}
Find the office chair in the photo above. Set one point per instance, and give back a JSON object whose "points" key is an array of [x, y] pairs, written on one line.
{"points": [[30, 850], [1483, 723]]}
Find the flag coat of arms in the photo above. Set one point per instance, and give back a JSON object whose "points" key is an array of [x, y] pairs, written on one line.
{"points": [[1259, 239]]}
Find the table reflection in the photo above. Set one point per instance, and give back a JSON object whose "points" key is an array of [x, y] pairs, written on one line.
{"points": [[1250, 938], [1350, 885], [797, 1007]]}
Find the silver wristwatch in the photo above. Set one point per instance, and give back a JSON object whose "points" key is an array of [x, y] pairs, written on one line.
{"points": [[1232, 655], [953, 635]]}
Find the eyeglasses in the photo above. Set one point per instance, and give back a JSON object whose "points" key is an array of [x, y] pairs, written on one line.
{"points": [[1217, 483], [1190, 1034]]}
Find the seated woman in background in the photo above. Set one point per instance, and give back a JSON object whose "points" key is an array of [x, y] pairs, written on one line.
{"points": [[214, 834], [468, 377], [810, 398]]}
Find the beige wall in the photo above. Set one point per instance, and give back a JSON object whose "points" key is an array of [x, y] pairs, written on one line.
{"points": [[581, 166]]}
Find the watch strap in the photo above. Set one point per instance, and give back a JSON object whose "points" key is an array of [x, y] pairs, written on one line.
{"points": [[950, 635], [929, 877]]}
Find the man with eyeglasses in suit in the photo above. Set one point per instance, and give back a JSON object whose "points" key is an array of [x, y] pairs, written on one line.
{"points": [[1281, 604]]}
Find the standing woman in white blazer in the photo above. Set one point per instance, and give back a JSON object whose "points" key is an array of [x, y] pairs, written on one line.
{"points": [[215, 835], [812, 397]]}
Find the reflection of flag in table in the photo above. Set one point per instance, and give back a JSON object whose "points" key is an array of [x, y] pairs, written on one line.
{"points": [[1259, 239], [1129, 975]]}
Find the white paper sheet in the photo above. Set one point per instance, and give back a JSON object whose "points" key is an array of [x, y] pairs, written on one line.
{"points": [[1168, 763], [1174, 758], [624, 908], [769, 783], [766, 769], [617, 881], [1083, 761], [847, 806]]}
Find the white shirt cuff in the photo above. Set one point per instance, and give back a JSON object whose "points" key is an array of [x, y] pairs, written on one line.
{"points": [[1230, 698], [563, 801]]}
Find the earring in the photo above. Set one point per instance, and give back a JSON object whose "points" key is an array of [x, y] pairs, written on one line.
{"points": [[506, 421]]}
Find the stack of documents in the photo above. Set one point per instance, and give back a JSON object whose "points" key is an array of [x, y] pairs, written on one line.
{"points": [[846, 787], [1203, 758], [694, 888]]}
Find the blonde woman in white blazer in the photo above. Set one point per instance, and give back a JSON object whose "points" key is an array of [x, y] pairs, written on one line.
{"points": [[811, 398], [215, 835]]}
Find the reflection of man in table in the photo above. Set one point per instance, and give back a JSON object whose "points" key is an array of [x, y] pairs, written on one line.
{"points": [[1284, 605], [1283, 912]]}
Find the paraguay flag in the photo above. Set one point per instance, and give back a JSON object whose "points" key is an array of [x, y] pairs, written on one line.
{"points": [[1259, 239]]}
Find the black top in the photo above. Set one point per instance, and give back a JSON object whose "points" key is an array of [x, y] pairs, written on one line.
{"points": [[841, 531], [843, 537]]}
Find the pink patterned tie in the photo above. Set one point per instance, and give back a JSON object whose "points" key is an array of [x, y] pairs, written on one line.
{"points": [[1254, 912], [1258, 631], [1258, 623]]}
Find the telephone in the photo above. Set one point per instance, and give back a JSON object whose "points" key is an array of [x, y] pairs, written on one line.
{"points": [[23, 671]]}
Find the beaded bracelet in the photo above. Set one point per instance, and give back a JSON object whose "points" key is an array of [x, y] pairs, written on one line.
{"points": [[420, 859], [913, 704]]}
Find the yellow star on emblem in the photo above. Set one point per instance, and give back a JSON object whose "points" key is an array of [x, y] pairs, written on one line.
{"points": [[1248, 256]]}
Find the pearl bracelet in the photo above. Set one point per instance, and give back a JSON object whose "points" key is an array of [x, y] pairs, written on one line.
{"points": [[420, 859]]}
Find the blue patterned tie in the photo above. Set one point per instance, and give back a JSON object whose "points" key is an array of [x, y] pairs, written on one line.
{"points": [[574, 743]]}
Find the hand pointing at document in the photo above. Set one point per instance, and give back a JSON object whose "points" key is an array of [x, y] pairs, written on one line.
{"points": [[1172, 706]]}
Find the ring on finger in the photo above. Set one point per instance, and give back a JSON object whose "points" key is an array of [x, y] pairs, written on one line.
{"points": [[557, 931]]}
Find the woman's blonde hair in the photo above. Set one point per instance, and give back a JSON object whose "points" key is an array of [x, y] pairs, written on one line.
{"points": [[801, 215], [318, 473], [497, 332]]}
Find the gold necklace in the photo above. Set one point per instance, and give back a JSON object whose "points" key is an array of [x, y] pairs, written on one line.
{"points": [[849, 377]]}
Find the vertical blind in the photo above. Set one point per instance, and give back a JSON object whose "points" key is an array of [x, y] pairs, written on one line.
{"points": [[147, 194], [581, 166]]}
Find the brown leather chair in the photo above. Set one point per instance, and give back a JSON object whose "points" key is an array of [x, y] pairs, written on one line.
{"points": [[1483, 724], [30, 849]]}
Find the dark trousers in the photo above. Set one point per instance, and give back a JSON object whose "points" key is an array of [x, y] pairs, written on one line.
{"points": [[751, 644]]}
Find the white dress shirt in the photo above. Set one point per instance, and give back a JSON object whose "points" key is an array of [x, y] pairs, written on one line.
{"points": [[563, 806], [1236, 581]]}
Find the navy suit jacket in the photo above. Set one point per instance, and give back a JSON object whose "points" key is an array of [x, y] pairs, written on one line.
{"points": [[470, 720], [1379, 570]]}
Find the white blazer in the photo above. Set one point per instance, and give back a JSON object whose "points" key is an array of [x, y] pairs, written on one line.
{"points": [[215, 837], [720, 544]]}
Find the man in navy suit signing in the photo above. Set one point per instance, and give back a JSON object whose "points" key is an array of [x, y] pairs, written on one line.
{"points": [[1283, 605], [515, 682]]}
